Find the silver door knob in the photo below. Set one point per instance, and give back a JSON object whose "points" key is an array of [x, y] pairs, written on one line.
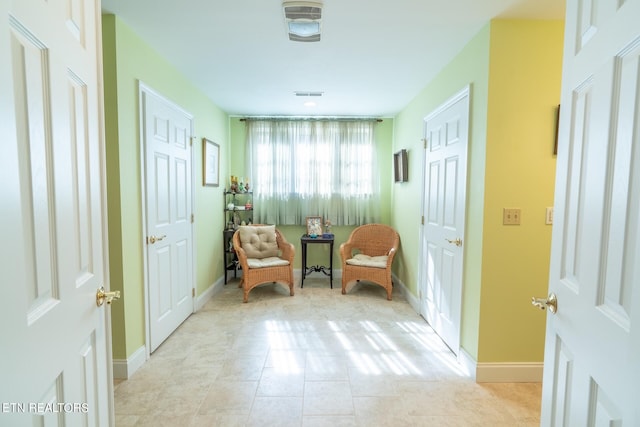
{"points": [[542, 303]]}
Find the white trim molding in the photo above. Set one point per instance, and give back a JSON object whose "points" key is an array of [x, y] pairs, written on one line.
{"points": [[509, 372], [413, 301], [209, 293], [467, 363], [124, 369], [483, 372]]}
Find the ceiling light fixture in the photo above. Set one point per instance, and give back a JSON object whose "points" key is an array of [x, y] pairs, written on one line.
{"points": [[303, 19]]}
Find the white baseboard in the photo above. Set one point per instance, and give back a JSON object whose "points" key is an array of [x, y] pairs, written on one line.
{"points": [[467, 363], [123, 369], [202, 299], [483, 372], [509, 372], [413, 301]]}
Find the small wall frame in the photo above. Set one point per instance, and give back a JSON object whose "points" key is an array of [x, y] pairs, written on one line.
{"points": [[210, 163], [401, 166]]}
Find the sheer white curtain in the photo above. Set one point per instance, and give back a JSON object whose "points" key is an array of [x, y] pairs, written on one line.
{"points": [[301, 168]]}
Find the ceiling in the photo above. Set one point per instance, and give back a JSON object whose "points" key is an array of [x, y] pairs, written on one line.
{"points": [[374, 57]]}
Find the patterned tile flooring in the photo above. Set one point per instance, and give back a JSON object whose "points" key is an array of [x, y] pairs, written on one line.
{"points": [[319, 358]]}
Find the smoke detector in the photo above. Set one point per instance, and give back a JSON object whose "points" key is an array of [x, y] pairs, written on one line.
{"points": [[302, 19]]}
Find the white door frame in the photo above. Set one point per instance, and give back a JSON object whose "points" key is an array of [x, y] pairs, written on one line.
{"points": [[144, 88], [465, 92]]}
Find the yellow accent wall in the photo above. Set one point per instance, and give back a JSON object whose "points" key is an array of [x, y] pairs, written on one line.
{"points": [[514, 70], [128, 60], [524, 91]]}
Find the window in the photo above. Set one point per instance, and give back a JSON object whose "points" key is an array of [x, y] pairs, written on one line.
{"points": [[313, 167]]}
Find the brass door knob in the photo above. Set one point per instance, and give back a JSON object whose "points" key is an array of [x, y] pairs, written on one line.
{"points": [[153, 239], [457, 242], [108, 297], [542, 303]]}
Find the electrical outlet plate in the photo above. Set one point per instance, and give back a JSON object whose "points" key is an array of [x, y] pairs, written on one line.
{"points": [[511, 216]]}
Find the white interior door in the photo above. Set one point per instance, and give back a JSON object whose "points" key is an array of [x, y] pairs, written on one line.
{"points": [[167, 133], [592, 354], [445, 179], [55, 352]]}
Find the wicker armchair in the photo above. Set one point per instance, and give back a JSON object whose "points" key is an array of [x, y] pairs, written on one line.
{"points": [[263, 260], [368, 255]]}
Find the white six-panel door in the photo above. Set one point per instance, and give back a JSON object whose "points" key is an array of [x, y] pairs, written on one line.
{"points": [[592, 355], [53, 344], [445, 180], [167, 133]]}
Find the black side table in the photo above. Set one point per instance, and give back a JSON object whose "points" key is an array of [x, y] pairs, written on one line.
{"points": [[326, 270]]}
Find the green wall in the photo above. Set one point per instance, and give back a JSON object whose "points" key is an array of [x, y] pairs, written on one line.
{"points": [[469, 67], [514, 70], [318, 254], [127, 61]]}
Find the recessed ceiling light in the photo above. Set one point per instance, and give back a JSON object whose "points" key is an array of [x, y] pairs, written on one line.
{"points": [[310, 104]]}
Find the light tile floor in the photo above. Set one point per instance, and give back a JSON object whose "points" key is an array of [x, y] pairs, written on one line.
{"points": [[319, 358]]}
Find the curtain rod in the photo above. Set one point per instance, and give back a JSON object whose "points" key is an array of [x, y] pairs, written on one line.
{"points": [[293, 118]]}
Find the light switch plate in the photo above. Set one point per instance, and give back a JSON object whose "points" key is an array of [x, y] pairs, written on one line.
{"points": [[511, 216], [549, 216]]}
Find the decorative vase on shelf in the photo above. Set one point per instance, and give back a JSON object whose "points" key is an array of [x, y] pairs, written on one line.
{"points": [[327, 227]]}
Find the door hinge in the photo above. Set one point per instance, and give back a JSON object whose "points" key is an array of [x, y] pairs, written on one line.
{"points": [[192, 218], [191, 141], [193, 292], [424, 142]]}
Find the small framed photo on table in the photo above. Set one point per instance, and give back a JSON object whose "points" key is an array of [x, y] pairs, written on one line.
{"points": [[314, 226]]}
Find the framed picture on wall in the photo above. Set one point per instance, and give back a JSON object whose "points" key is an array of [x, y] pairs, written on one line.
{"points": [[210, 163], [401, 166], [314, 225]]}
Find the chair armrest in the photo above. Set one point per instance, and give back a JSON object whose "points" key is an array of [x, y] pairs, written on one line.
{"points": [[288, 252], [346, 250], [390, 255], [242, 258], [240, 253]]}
